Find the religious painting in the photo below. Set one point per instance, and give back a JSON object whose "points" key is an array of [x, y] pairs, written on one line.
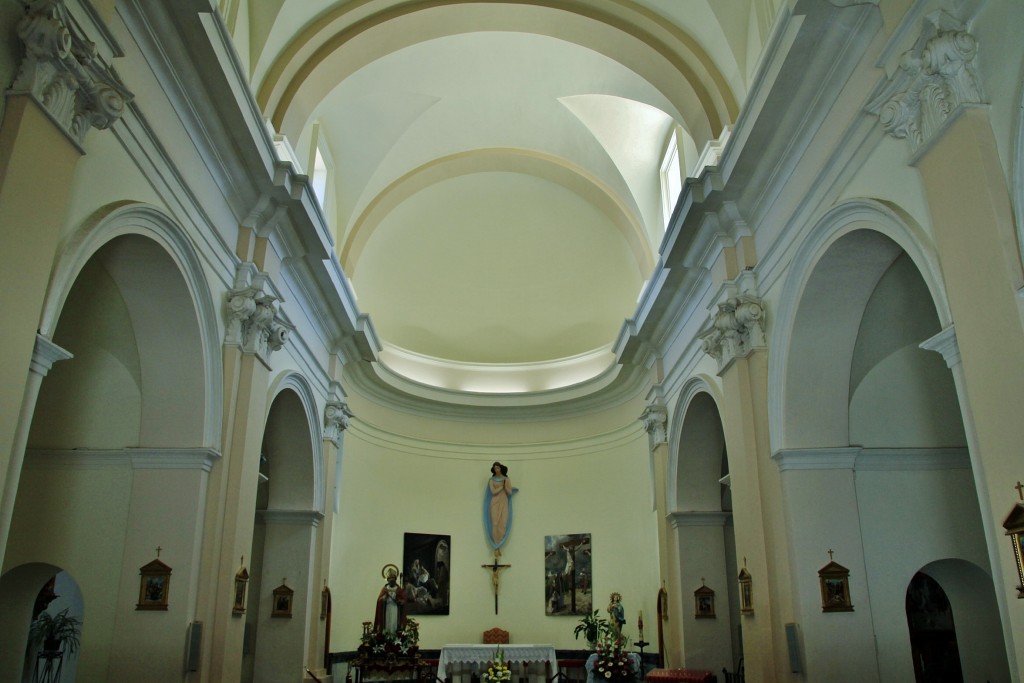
{"points": [[746, 592], [282, 602], [834, 580], [426, 563], [704, 602], [154, 586], [568, 579]]}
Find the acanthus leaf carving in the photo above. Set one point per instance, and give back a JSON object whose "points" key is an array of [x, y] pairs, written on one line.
{"points": [[251, 311], [933, 79], [736, 329], [63, 72], [655, 421], [336, 420]]}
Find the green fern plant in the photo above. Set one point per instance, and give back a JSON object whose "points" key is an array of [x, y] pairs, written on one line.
{"points": [[54, 630]]}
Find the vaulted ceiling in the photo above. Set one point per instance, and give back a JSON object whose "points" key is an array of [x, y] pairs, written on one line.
{"points": [[495, 195]]}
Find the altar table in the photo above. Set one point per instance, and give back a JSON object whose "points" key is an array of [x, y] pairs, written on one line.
{"points": [[464, 660], [680, 676]]}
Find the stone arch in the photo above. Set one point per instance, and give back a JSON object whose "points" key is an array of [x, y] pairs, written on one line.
{"points": [[702, 393], [19, 587], [672, 61], [828, 316], [185, 290], [304, 428]]}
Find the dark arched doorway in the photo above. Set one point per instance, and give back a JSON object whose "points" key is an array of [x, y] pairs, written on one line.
{"points": [[932, 632]]}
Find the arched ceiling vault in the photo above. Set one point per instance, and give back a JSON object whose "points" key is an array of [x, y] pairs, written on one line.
{"points": [[496, 189]]}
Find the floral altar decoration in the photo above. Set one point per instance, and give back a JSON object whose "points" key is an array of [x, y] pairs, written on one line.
{"points": [[404, 642], [497, 670], [612, 663]]}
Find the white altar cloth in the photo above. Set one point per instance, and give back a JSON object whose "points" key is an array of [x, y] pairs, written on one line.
{"points": [[479, 655]]}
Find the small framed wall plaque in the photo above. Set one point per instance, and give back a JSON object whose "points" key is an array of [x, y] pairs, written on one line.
{"points": [[704, 602], [154, 586], [282, 602], [746, 592], [835, 587], [241, 587], [325, 601]]}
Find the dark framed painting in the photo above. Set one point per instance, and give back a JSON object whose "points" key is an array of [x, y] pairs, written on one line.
{"points": [[568, 580], [426, 579], [282, 602], [154, 586]]}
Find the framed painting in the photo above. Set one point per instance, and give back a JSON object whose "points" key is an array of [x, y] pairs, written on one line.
{"points": [[568, 579], [704, 603], [834, 580], [427, 565], [154, 586], [282, 602]]}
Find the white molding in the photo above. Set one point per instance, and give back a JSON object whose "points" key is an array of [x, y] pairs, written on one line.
{"points": [[133, 458], [905, 459], [873, 459], [816, 459], [310, 518], [945, 344], [631, 431], [699, 518], [44, 354]]}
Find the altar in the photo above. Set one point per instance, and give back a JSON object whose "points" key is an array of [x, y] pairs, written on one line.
{"points": [[458, 663]]}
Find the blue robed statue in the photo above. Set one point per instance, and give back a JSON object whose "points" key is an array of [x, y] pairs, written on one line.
{"points": [[498, 506]]}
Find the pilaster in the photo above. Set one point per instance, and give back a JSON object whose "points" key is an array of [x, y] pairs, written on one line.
{"points": [[936, 103], [735, 339], [62, 89], [253, 332], [655, 422]]}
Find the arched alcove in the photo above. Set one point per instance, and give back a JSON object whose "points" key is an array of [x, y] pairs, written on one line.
{"points": [[702, 534]]}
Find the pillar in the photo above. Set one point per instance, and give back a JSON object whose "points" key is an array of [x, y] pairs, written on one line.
{"points": [[58, 95]]}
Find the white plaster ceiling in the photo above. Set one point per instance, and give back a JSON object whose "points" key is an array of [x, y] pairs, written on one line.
{"points": [[496, 196]]}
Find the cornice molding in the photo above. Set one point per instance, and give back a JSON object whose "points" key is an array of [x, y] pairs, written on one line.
{"points": [[44, 354], [135, 458], [699, 519], [310, 518], [944, 343], [539, 450], [872, 459]]}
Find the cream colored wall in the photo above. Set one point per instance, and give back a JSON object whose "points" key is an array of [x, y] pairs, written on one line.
{"points": [[386, 492]]}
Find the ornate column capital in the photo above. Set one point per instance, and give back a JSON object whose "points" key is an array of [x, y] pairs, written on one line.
{"points": [[336, 421], [251, 312], [737, 329], [62, 71], [933, 79], [655, 421]]}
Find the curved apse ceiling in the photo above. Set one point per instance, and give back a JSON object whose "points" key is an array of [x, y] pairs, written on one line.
{"points": [[496, 199]]}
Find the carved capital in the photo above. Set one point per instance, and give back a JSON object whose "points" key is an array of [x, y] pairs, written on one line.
{"points": [[62, 71], [736, 330], [251, 314], [934, 78], [655, 421], [336, 421]]}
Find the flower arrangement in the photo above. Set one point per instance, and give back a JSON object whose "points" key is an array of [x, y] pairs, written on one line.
{"points": [[402, 643], [612, 663], [497, 670]]}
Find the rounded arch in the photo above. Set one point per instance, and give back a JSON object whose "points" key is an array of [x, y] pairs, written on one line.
{"points": [[671, 60], [195, 306], [884, 230], [699, 394], [298, 419], [560, 171], [975, 613], [19, 587], [1017, 189]]}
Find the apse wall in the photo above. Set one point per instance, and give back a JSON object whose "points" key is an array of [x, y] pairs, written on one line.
{"points": [[598, 484]]}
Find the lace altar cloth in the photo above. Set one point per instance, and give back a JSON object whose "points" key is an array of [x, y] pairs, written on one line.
{"points": [[481, 654]]}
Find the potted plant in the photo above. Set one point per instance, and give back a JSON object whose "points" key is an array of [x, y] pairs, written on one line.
{"points": [[52, 631], [592, 626]]}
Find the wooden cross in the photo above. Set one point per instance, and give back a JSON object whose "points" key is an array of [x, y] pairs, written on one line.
{"points": [[829, 553], [1020, 490], [158, 549], [494, 568]]}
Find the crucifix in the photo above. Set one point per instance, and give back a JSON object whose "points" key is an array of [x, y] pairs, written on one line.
{"points": [[494, 568]]}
